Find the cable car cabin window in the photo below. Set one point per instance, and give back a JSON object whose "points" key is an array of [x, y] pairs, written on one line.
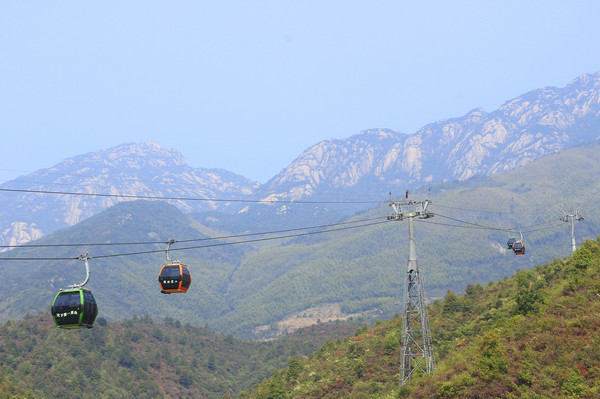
{"points": [[187, 279], [90, 309], [170, 277]]}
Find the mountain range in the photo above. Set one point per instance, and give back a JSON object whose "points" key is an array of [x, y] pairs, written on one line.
{"points": [[347, 175], [317, 264], [256, 285]]}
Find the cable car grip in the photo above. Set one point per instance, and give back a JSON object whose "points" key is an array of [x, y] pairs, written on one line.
{"points": [[84, 258], [169, 243]]}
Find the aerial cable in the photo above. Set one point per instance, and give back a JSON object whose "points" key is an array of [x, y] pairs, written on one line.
{"points": [[80, 244], [455, 225], [487, 227], [471, 224], [590, 227], [80, 176], [47, 183], [189, 240], [483, 227], [220, 244], [153, 197], [484, 211], [530, 228], [285, 230], [207, 245]]}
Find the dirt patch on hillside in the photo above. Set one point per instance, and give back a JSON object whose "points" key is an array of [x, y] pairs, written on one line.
{"points": [[309, 317]]}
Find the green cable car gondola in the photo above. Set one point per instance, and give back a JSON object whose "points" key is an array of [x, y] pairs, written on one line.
{"points": [[75, 307]]}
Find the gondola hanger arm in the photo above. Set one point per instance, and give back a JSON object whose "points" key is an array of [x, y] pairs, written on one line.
{"points": [[169, 243], [84, 258]]}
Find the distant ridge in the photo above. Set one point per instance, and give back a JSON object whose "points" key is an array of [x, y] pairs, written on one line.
{"points": [[132, 169], [359, 170], [376, 161]]}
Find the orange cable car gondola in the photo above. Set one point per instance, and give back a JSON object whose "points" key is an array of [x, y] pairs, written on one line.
{"points": [[517, 245], [174, 277], [518, 248]]}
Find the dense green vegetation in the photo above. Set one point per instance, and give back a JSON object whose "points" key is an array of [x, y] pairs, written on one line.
{"points": [[530, 336], [141, 358]]}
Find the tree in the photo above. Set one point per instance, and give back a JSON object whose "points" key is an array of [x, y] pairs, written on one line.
{"points": [[276, 387], [294, 369]]}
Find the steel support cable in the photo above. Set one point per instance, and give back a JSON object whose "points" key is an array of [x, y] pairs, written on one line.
{"points": [[484, 211], [50, 184], [490, 227], [107, 244], [592, 231], [589, 227], [484, 227], [157, 197], [285, 231], [189, 240], [78, 176], [220, 244], [451, 225]]}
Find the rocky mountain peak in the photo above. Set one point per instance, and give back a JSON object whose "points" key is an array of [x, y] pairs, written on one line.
{"points": [[382, 134], [586, 80], [525, 128], [120, 173], [132, 155]]}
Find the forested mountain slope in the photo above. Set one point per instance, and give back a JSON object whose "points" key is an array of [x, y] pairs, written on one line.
{"points": [[141, 358], [465, 242], [533, 335]]}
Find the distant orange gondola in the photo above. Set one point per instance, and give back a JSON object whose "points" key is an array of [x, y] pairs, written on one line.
{"points": [[518, 248], [174, 278]]}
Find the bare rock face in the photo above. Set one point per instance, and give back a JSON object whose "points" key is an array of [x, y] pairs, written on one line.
{"points": [[19, 233], [377, 161]]}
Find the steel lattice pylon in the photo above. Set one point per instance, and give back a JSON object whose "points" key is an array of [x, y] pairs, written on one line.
{"points": [[417, 352]]}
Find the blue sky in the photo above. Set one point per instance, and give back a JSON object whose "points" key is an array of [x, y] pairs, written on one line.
{"points": [[249, 85]]}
